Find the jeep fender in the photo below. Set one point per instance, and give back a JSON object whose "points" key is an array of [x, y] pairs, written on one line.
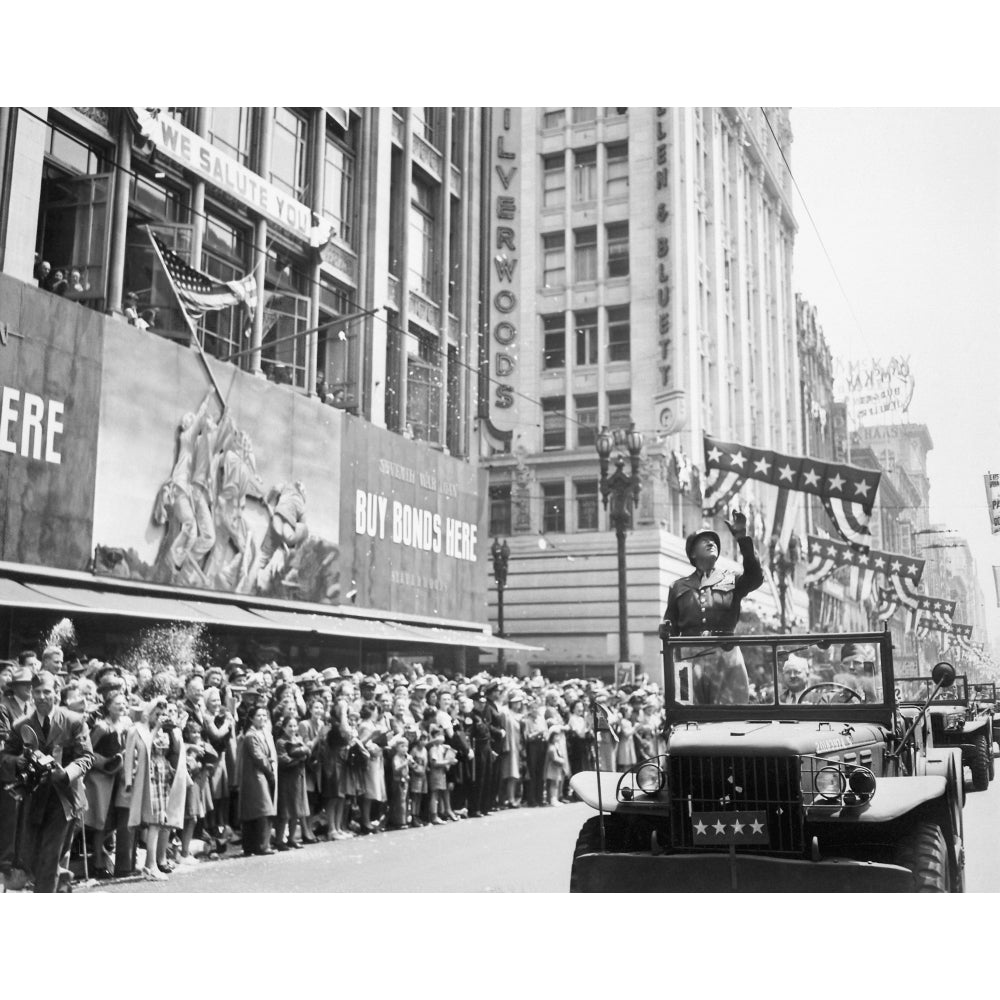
{"points": [[894, 797], [584, 783], [974, 726]]}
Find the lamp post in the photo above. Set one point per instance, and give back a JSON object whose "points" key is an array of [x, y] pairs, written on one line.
{"points": [[782, 565], [622, 489], [501, 557]]}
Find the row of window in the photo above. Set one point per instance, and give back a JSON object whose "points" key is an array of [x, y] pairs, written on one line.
{"points": [[585, 511], [582, 421], [583, 166], [586, 336], [585, 255], [557, 117]]}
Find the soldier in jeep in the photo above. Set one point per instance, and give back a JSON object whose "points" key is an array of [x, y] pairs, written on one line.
{"points": [[708, 603]]}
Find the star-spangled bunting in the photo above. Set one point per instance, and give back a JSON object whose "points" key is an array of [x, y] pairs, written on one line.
{"points": [[199, 293], [827, 554], [846, 491], [886, 605]]}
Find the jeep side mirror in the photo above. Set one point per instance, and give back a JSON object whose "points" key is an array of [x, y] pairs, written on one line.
{"points": [[943, 674]]}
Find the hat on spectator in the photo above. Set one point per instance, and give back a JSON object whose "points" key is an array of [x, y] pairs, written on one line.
{"points": [[237, 675], [515, 697], [234, 661], [22, 675], [74, 665], [420, 684], [491, 687], [331, 674], [471, 691], [93, 666], [367, 682], [537, 682]]}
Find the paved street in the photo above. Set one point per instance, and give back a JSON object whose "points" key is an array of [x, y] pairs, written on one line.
{"points": [[525, 850], [521, 850]]}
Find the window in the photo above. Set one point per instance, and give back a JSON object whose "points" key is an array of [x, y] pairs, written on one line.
{"points": [[553, 423], [553, 181], [554, 341], [339, 356], [283, 354], [457, 136], [455, 258], [553, 506], [500, 517], [619, 408], [586, 421], [554, 260], [554, 118], [583, 115], [423, 386], [617, 249], [229, 129], [585, 337], [616, 181], [585, 175], [289, 159], [619, 334], [586, 505], [426, 124], [338, 182], [585, 254], [226, 254], [421, 249]]}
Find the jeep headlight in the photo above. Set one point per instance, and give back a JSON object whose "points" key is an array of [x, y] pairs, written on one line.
{"points": [[862, 783], [649, 777], [955, 721], [830, 782]]}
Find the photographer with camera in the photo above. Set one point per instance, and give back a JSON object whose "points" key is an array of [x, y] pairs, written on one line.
{"points": [[46, 755]]}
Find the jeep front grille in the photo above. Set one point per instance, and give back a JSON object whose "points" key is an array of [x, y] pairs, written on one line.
{"points": [[714, 784]]}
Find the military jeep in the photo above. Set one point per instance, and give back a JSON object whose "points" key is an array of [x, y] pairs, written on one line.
{"points": [[765, 788], [956, 721], [984, 696]]}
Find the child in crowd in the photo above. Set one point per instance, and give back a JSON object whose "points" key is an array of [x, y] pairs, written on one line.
{"points": [[556, 765], [418, 778]]}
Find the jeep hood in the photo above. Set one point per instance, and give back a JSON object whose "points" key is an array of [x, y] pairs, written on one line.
{"points": [[767, 737]]}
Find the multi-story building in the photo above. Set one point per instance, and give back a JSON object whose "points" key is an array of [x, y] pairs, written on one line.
{"points": [[317, 454], [640, 273]]}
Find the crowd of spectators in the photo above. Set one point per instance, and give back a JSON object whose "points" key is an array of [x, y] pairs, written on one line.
{"points": [[267, 759]]}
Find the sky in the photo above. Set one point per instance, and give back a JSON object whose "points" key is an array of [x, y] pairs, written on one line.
{"points": [[898, 248]]}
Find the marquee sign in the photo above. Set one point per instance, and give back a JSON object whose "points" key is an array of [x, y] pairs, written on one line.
{"points": [[876, 388]]}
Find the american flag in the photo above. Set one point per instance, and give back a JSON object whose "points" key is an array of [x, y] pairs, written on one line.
{"points": [[827, 554], [199, 293], [846, 491]]}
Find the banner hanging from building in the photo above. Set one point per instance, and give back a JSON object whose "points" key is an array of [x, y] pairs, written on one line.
{"points": [[996, 582], [992, 481], [846, 491], [827, 554]]}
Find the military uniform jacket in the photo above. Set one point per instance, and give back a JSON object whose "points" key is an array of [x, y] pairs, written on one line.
{"points": [[68, 743], [712, 606]]}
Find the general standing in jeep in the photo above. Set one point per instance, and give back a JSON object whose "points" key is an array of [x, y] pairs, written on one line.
{"points": [[708, 603]]}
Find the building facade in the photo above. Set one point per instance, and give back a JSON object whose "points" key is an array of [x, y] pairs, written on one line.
{"points": [[316, 454], [639, 272]]}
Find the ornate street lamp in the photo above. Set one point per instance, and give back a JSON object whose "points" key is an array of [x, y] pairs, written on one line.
{"points": [[501, 557], [622, 490], [782, 565]]}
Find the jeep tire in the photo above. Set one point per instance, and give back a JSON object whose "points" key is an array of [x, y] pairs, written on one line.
{"points": [[980, 763], [924, 852], [589, 842]]}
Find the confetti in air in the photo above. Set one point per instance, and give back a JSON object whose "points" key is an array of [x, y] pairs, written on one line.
{"points": [[169, 645], [62, 634]]}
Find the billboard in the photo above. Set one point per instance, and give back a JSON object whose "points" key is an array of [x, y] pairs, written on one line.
{"points": [[50, 385], [238, 494], [413, 527]]}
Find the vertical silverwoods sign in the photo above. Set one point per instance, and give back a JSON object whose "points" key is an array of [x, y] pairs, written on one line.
{"points": [[505, 222]]}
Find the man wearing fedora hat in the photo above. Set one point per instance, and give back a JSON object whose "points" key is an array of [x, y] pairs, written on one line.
{"points": [[708, 603]]}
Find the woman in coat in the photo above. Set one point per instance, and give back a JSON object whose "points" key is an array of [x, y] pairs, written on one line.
{"points": [[510, 761], [293, 805], [258, 768], [155, 782], [108, 736]]}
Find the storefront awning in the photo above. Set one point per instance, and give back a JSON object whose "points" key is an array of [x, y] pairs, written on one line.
{"points": [[461, 637], [17, 595], [350, 628], [103, 602]]}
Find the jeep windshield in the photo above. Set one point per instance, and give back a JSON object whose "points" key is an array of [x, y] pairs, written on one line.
{"points": [[817, 676], [916, 690]]}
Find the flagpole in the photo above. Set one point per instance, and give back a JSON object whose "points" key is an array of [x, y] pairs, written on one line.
{"points": [[187, 320]]}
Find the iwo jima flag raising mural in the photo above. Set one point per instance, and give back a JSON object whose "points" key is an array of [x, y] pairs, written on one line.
{"points": [[846, 491]]}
